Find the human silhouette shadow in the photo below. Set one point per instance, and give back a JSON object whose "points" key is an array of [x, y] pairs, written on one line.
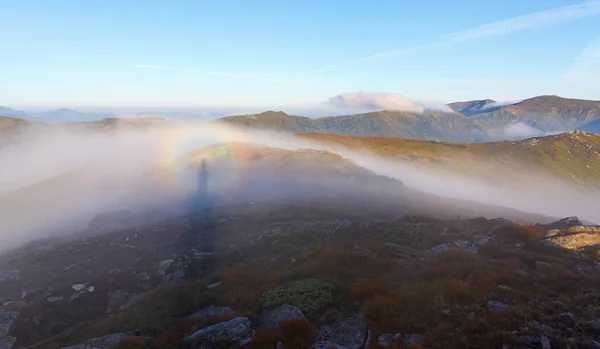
{"points": [[200, 235]]}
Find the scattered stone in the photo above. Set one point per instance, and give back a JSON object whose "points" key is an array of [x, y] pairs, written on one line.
{"points": [[270, 319], [280, 346], [54, 299], [216, 284], [237, 331], [545, 342], [210, 311], [7, 342], [504, 287], [78, 287], [6, 320], [6, 275], [105, 342], [496, 306], [350, 333]]}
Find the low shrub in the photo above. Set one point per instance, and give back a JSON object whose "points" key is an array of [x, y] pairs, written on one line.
{"points": [[310, 296]]}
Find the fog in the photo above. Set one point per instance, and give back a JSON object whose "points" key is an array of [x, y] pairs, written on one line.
{"points": [[58, 180]]}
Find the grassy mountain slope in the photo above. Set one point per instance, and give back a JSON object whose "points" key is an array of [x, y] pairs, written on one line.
{"points": [[573, 156], [438, 126], [544, 112]]}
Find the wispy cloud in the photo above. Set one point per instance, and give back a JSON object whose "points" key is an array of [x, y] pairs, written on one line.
{"points": [[290, 80], [504, 27]]}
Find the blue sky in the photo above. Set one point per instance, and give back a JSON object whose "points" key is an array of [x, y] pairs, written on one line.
{"points": [[292, 53]]}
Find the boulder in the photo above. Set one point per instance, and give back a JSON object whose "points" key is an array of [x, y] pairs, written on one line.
{"points": [[270, 319], [563, 223], [350, 333], [237, 331]]}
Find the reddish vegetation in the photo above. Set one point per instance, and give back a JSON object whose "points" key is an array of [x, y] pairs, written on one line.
{"points": [[525, 233], [293, 333]]}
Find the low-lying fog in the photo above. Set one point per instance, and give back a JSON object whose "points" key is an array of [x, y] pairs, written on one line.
{"points": [[60, 179]]}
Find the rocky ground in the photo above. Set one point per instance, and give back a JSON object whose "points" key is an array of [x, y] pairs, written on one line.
{"points": [[305, 275]]}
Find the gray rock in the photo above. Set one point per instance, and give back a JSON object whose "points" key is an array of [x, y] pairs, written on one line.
{"points": [[350, 333], [78, 287], [270, 319], [237, 331], [213, 285], [210, 311], [54, 299], [545, 342], [6, 275], [564, 223], [7, 342], [495, 306], [7, 318], [109, 341]]}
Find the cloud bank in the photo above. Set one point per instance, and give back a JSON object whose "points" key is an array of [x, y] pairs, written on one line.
{"points": [[365, 101]]}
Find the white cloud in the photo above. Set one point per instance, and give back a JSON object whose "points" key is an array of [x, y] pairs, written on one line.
{"points": [[504, 27], [518, 130], [365, 101]]}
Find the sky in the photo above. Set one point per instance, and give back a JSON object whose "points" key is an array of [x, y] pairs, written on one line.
{"points": [[271, 54]]}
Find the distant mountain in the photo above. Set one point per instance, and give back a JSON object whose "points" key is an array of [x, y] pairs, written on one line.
{"points": [[546, 113], [473, 121], [469, 108], [5, 111], [68, 115]]}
